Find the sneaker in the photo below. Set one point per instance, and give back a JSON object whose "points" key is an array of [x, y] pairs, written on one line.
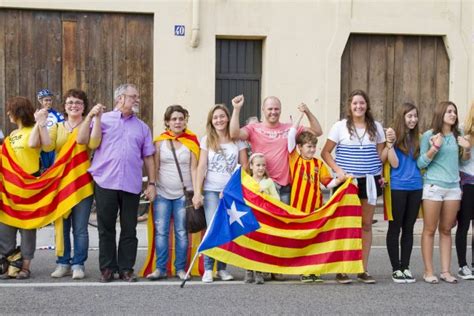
{"points": [[207, 277], [181, 274], [61, 271], [317, 278], [249, 276], [343, 278], [306, 278], [398, 277], [408, 276], [465, 273], [259, 278], [156, 275], [224, 275], [365, 278], [78, 274]]}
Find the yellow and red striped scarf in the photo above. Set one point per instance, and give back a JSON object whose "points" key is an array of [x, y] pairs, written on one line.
{"points": [[31, 202], [187, 138]]}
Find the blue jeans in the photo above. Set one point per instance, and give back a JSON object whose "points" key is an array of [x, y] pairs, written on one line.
{"points": [[78, 219], [211, 201], [163, 209]]}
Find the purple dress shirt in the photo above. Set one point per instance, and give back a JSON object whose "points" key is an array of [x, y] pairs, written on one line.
{"points": [[118, 161]]}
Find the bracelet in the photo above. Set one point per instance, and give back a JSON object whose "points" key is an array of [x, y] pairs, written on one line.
{"points": [[152, 183]]}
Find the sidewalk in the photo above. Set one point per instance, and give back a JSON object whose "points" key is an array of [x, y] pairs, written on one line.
{"points": [[45, 236]]}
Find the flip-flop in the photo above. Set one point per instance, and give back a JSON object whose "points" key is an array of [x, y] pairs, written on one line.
{"points": [[449, 278], [430, 279]]}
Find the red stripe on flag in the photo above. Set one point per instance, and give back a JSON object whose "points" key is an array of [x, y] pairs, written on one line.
{"points": [[324, 258], [272, 208], [276, 223], [40, 184], [277, 241], [46, 189], [48, 209]]}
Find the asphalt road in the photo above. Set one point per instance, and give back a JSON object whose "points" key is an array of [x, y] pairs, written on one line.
{"points": [[43, 295]]}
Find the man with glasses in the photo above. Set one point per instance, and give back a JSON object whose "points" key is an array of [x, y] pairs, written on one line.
{"points": [[45, 99], [126, 144]]}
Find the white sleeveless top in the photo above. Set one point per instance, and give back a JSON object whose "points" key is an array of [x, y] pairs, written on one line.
{"points": [[169, 184]]}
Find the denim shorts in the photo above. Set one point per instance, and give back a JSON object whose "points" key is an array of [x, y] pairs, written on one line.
{"points": [[436, 193]]}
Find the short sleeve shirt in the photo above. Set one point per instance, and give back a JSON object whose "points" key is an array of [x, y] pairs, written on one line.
{"points": [[118, 161], [357, 154], [273, 144], [28, 158], [221, 164], [307, 175]]}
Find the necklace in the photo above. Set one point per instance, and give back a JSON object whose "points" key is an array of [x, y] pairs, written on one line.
{"points": [[71, 127], [360, 138]]}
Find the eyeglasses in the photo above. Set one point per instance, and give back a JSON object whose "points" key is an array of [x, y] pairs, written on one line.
{"points": [[134, 96], [75, 102]]}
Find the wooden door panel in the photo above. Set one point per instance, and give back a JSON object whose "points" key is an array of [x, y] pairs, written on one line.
{"points": [[394, 69], [94, 52]]}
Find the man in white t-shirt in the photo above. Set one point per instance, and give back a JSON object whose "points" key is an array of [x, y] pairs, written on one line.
{"points": [[270, 137]]}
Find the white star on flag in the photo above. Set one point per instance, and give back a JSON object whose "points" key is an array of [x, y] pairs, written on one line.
{"points": [[235, 215]]}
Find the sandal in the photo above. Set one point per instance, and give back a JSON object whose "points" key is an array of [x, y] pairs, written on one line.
{"points": [[431, 279], [23, 274], [448, 278]]}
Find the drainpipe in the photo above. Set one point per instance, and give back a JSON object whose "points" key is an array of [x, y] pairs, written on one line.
{"points": [[195, 25]]}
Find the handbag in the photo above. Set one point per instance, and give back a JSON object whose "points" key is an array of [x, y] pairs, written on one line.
{"points": [[195, 218]]}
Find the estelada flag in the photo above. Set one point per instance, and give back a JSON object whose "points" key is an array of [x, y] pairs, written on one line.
{"points": [[254, 231], [31, 202]]}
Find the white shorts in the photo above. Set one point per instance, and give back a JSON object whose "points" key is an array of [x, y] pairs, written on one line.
{"points": [[435, 193]]}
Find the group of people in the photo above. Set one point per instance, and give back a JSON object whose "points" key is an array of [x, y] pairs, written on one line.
{"points": [[280, 157]]}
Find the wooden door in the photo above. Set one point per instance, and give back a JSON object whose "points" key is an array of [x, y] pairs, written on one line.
{"points": [[94, 52], [394, 69], [239, 71]]}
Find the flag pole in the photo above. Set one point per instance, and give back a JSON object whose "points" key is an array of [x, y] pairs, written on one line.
{"points": [[189, 269]]}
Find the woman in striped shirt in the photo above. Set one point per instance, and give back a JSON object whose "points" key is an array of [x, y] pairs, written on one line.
{"points": [[359, 141]]}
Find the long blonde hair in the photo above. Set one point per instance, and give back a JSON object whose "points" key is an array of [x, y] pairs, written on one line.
{"points": [[212, 137], [469, 122]]}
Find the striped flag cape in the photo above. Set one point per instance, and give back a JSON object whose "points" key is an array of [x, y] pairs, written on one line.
{"points": [[31, 202], [254, 231]]}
